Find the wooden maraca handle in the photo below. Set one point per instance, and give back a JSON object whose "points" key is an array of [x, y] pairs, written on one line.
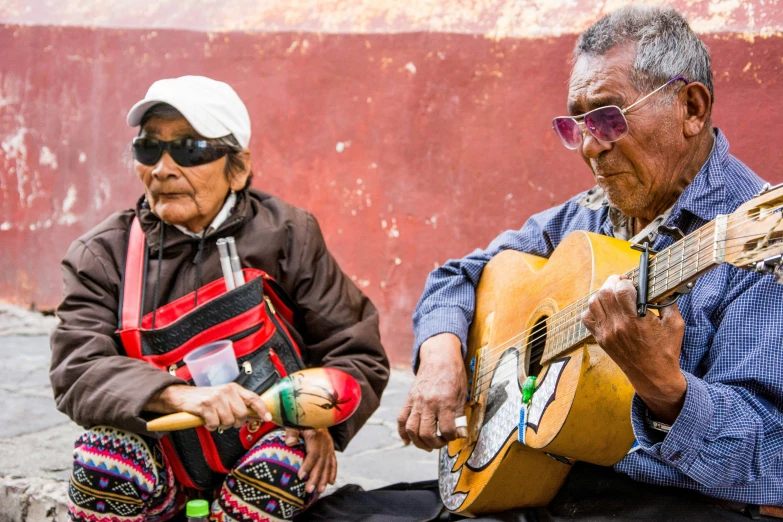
{"points": [[311, 398], [175, 421]]}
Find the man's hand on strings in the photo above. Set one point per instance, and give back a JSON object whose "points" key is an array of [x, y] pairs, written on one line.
{"points": [[647, 349]]}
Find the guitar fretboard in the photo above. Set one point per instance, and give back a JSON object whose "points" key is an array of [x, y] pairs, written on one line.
{"points": [[669, 270]]}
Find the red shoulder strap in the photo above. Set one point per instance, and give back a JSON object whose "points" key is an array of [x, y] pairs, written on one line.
{"points": [[132, 291]]}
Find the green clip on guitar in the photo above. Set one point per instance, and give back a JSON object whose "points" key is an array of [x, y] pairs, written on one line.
{"points": [[311, 398]]}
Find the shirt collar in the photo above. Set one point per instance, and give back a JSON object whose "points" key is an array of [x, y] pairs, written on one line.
{"points": [[221, 217]]}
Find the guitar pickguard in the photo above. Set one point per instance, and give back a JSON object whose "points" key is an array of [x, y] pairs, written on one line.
{"points": [[448, 480], [502, 411], [545, 393], [500, 421]]}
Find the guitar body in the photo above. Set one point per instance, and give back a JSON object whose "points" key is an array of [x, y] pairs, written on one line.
{"points": [[581, 406]]}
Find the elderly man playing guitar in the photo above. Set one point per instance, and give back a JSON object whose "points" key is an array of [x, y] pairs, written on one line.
{"points": [[706, 374]]}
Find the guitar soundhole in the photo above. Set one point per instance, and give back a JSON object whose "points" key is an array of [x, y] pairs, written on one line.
{"points": [[535, 346]]}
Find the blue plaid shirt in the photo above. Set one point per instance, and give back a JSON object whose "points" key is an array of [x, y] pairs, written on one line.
{"points": [[728, 440]]}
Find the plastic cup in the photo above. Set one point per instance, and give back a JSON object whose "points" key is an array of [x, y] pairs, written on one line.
{"points": [[213, 364]]}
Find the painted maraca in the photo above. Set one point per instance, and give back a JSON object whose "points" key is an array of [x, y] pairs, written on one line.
{"points": [[311, 398]]}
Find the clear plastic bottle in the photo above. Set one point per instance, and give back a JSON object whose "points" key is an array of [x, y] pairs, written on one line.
{"points": [[197, 511]]}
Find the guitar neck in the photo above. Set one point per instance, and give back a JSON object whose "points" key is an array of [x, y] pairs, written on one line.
{"points": [[670, 269]]}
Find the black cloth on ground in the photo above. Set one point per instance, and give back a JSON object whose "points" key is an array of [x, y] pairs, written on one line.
{"points": [[590, 494]]}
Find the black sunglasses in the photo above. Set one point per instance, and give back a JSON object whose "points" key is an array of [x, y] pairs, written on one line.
{"points": [[186, 152]]}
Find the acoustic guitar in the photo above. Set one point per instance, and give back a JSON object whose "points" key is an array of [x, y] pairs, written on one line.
{"points": [[528, 323]]}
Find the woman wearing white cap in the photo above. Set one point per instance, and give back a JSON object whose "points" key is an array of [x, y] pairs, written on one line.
{"points": [[145, 287]]}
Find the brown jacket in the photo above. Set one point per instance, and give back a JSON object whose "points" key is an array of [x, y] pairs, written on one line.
{"points": [[95, 383]]}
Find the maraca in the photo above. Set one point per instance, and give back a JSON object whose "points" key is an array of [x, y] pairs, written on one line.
{"points": [[311, 398]]}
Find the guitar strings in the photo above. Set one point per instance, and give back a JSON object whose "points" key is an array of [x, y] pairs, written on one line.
{"points": [[567, 312], [507, 371], [483, 385], [653, 263], [571, 320], [512, 371]]}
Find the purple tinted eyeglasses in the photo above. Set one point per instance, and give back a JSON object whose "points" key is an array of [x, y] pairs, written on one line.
{"points": [[606, 124]]}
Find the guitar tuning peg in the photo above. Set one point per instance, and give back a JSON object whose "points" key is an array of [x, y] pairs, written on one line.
{"points": [[771, 265], [767, 187], [764, 188]]}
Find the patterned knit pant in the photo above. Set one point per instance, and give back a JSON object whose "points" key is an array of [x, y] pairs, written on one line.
{"points": [[119, 477]]}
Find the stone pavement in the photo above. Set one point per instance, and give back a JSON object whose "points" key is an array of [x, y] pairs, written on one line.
{"points": [[36, 440]]}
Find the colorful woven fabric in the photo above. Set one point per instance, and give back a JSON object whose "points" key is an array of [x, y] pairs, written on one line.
{"points": [[264, 486], [120, 477]]}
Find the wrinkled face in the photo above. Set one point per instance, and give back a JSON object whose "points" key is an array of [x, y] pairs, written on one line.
{"points": [[187, 196], [643, 167]]}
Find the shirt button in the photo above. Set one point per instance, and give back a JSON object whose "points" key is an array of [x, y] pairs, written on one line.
{"points": [[674, 457]]}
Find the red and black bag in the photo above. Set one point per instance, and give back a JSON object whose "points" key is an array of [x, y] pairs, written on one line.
{"points": [[247, 315]]}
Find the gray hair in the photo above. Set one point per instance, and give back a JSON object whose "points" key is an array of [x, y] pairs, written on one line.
{"points": [[165, 111], [666, 46]]}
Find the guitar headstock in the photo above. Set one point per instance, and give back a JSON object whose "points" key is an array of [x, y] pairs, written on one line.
{"points": [[754, 234]]}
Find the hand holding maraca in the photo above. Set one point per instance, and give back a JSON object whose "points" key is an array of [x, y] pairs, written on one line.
{"points": [[220, 407], [306, 402], [312, 398]]}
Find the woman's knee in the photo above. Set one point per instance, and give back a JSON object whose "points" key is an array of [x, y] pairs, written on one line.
{"points": [[109, 463], [265, 479]]}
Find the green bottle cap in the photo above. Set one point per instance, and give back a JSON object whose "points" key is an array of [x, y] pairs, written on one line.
{"points": [[528, 387], [197, 508]]}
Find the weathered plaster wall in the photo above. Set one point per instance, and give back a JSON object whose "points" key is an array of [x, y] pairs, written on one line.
{"points": [[490, 18], [409, 147]]}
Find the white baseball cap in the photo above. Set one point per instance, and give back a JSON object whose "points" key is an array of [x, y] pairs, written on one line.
{"points": [[213, 108]]}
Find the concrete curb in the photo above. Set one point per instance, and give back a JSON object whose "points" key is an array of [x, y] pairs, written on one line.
{"points": [[33, 500]]}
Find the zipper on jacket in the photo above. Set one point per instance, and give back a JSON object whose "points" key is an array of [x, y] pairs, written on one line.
{"points": [[271, 306]]}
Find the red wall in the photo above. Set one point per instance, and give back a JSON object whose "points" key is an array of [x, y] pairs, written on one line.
{"points": [[409, 148]]}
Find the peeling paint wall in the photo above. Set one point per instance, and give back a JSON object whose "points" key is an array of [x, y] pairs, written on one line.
{"points": [[490, 18], [409, 147]]}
